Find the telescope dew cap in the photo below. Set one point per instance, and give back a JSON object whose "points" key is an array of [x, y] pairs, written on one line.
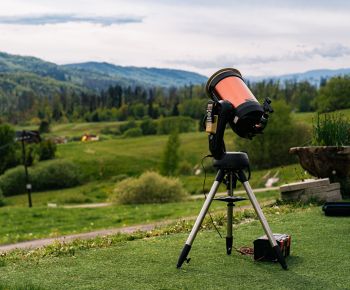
{"points": [[219, 76], [228, 84]]}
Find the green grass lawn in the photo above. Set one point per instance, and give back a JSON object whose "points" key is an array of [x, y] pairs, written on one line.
{"points": [[319, 260], [22, 223]]}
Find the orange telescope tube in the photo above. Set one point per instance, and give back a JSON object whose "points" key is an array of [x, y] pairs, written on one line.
{"points": [[227, 84]]}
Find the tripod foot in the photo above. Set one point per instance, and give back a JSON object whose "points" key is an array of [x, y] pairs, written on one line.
{"points": [[280, 257], [229, 243], [183, 256]]}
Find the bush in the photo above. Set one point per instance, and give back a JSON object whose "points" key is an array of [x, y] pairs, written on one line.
{"points": [[271, 148], [185, 168], [110, 131], [2, 199], [47, 150], [133, 132], [180, 124], [12, 182], [44, 127], [150, 187], [55, 174], [331, 130], [129, 125], [148, 127]]}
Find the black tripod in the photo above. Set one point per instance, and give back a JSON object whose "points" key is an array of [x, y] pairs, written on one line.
{"points": [[231, 168]]}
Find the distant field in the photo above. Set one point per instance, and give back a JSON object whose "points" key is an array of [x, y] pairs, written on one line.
{"points": [[309, 117]]}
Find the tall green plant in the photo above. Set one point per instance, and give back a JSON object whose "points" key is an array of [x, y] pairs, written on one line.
{"points": [[171, 156], [331, 130]]}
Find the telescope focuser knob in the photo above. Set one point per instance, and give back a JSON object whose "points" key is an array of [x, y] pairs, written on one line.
{"points": [[267, 107]]}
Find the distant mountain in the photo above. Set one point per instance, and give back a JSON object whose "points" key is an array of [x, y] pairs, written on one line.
{"points": [[312, 76], [97, 76], [138, 75]]}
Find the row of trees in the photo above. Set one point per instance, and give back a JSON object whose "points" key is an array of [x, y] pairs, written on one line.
{"points": [[120, 103]]}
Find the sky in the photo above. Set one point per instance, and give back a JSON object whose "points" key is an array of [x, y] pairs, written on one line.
{"points": [[260, 38]]}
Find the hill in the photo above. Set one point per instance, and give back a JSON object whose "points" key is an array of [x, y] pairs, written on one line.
{"points": [[97, 76], [313, 76], [136, 75]]}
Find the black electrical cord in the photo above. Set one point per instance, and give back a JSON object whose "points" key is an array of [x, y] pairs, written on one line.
{"points": [[203, 191]]}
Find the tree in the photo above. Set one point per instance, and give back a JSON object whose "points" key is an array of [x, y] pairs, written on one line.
{"points": [[7, 148], [44, 126], [171, 155], [304, 96], [334, 95]]}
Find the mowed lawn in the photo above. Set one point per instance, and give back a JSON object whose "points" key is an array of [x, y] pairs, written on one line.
{"points": [[319, 260]]}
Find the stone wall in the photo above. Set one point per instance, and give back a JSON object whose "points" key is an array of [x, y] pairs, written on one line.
{"points": [[314, 189]]}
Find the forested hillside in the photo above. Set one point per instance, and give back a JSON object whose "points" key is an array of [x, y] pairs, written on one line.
{"points": [[32, 90]]}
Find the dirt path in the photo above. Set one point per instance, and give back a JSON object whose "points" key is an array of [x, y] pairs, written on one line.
{"points": [[130, 229]]}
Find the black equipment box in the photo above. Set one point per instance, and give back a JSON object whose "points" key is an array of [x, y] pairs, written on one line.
{"points": [[263, 250], [336, 208]]}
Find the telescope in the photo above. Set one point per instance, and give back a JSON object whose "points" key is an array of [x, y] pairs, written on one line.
{"points": [[232, 103]]}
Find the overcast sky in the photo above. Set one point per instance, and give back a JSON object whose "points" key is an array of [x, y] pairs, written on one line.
{"points": [[257, 37]]}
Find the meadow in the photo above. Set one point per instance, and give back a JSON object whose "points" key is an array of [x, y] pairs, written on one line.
{"points": [[103, 163]]}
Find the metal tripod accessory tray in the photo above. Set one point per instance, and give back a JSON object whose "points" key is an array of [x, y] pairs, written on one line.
{"points": [[230, 198]]}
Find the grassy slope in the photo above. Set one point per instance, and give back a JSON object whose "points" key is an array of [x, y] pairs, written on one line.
{"points": [[318, 261], [21, 223], [129, 156]]}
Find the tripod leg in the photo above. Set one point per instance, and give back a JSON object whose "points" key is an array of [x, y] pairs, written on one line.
{"points": [[262, 219], [230, 205], [229, 236], [183, 256]]}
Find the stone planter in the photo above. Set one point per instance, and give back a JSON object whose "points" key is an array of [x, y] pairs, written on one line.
{"points": [[326, 161]]}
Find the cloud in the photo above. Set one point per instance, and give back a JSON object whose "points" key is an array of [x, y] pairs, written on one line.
{"points": [[44, 19], [324, 51]]}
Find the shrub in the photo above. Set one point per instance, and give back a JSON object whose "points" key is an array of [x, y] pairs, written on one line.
{"points": [[271, 148], [180, 124], [55, 174], [150, 187], [129, 125], [133, 132], [44, 126], [185, 168], [49, 175], [148, 127], [110, 131], [2, 199], [331, 130], [12, 182], [47, 150]]}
